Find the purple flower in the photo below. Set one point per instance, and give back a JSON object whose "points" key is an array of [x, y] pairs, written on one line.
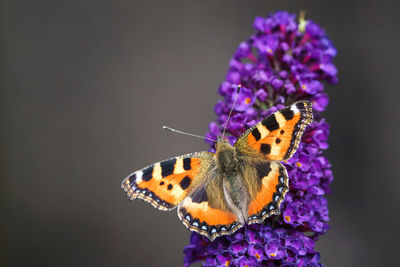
{"points": [[244, 261], [245, 99], [280, 246], [257, 252], [274, 250], [238, 248], [311, 87], [261, 94], [320, 101], [282, 62], [195, 251]]}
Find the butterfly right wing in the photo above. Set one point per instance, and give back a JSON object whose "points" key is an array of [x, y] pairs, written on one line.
{"points": [[165, 184], [269, 183], [278, 136]]}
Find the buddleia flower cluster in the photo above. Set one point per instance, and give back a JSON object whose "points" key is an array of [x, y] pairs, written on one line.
{"points": [[285, 60]]}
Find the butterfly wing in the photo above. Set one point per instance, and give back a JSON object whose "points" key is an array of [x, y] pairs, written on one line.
{"points": [[205, 210], [269, 184], [206, 213], [277, 137], [165, 184]]}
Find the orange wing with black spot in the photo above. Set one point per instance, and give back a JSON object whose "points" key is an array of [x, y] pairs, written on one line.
{"points": [[274, 186], [165, 184], [278, 136]]}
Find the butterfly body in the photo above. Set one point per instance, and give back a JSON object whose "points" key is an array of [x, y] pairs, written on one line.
{"points": [[234, 188], [217, 193]]}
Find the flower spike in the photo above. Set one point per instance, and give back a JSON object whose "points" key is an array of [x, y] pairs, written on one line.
{"points": [[284, 61]]}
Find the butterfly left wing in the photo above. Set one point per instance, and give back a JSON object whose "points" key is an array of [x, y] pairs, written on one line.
{"points": [[278, 136], [165, 184], [205, 211]]}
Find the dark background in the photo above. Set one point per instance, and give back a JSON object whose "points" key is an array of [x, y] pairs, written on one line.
{"points": [[87, 85]]}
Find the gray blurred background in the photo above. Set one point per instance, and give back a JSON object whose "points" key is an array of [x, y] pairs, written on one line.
{"points": [[87, 85]]}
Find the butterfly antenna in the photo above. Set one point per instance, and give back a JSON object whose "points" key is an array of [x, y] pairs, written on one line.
{"points": [[230, 112], [190, 134]]}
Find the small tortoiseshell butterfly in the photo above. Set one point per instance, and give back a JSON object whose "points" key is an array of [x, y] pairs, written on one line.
{"points": [[217, 193]]}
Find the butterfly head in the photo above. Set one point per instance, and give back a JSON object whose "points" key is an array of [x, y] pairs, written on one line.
{"points": [[221, 139], [222, 143]]}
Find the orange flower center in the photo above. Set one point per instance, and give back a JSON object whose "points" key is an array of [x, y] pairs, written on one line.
{"points": [[287, 218], [272, 254], [298, 164], [247, 100], [257, 256], [227, 263]]}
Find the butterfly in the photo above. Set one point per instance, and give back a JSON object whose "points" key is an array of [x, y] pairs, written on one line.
{"points": [[218, 193]]}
